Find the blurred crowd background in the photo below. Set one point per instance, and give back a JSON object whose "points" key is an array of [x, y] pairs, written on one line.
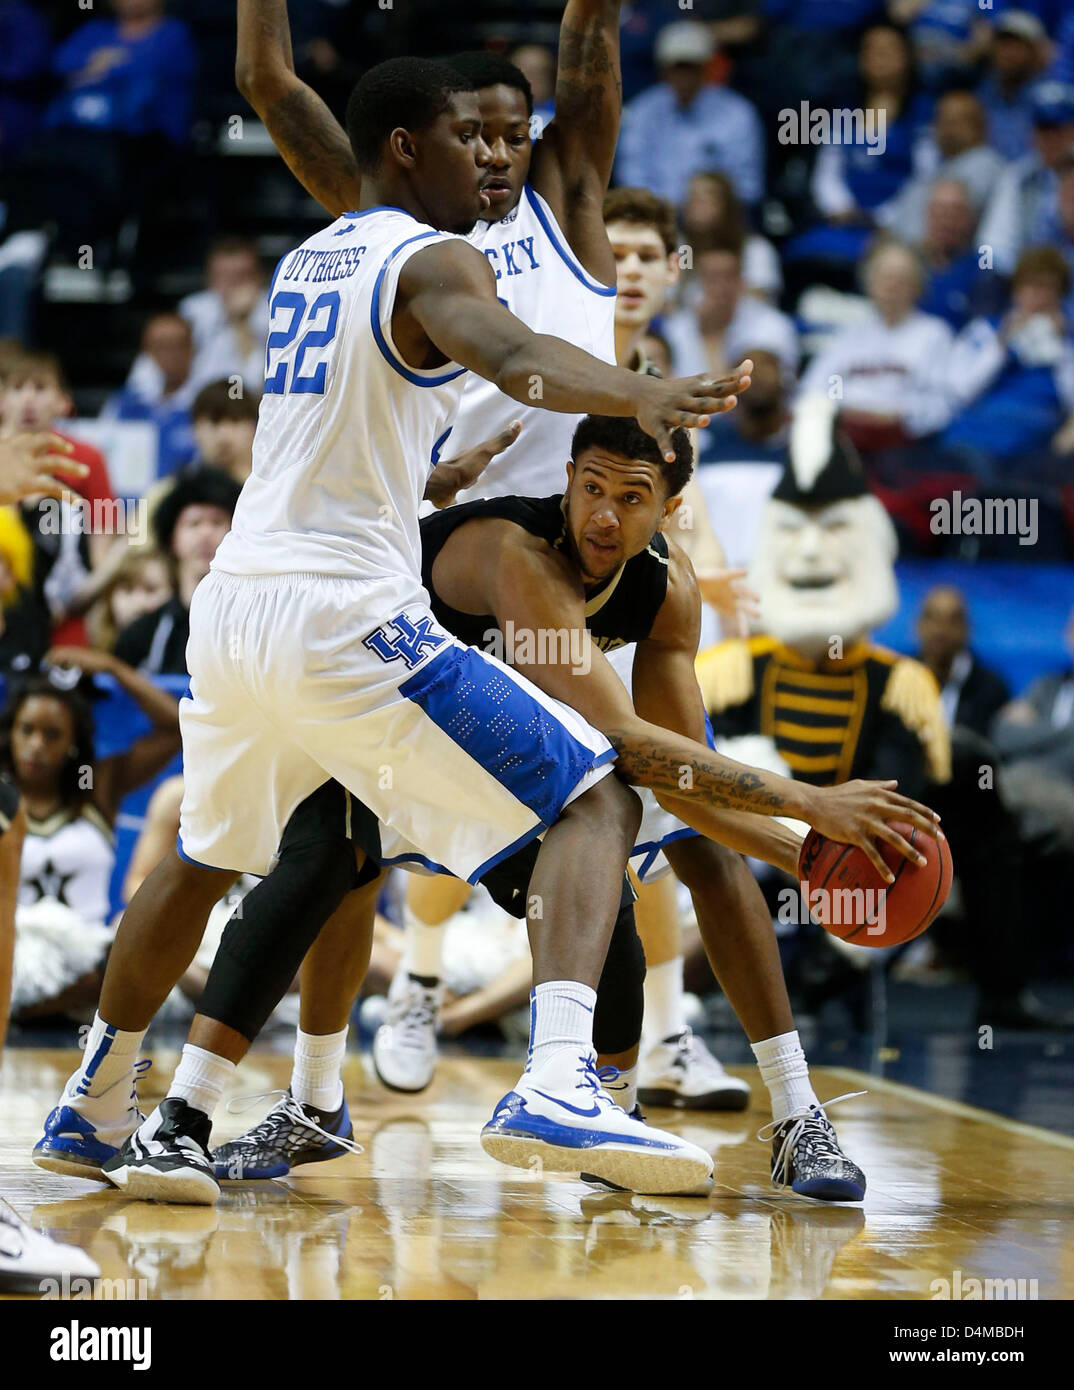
{"points": [[920, 273]]}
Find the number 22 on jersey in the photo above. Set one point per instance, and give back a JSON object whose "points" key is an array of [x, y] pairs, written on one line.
{"points": [[320, 321]]}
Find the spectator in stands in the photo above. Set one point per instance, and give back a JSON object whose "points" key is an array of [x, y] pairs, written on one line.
{"points": [[949, 36], [656, 350], [537, 63], [1024, 205], [713, 212], [742, 455], [25, 48], [35, 396], [854, 184], [161, 389], [190, 522], [1059, 230], [224, 423], [641, 229], [1016, 57], [808, 53], [71, 800], [970, 693], [884, 369], [714, 335], [12, 834], [685, 125], [229, 319], [142, 583], [1012, 376], [958, 149], [956, 285], [731, 22], [123, 107]]}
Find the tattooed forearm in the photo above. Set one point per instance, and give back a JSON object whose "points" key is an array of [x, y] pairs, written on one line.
{"points": [[589, 84], [645, 762], [315, 148]]}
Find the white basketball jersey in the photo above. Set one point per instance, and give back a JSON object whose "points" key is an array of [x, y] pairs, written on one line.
{"points": [[68, 858], [346, 428], [541, 281]]}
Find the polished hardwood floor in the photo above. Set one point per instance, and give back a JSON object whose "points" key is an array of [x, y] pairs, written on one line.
{"points": [[954, 1194]]}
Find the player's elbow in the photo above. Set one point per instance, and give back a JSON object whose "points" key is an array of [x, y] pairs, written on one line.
{"points": [[261, 83]]}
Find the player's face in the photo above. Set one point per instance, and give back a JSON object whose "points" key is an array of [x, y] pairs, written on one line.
{"points": [[33, 403], [644, 271], [451, 163], [505, 129], [614, 504], [41, 735]]}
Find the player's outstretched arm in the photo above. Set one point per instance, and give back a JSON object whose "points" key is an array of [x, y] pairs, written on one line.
{"points": [[447, 295], [312, 142], [526, 587]]}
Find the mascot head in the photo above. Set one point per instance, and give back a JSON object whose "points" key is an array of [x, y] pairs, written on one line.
{"points": [[824, 563]]}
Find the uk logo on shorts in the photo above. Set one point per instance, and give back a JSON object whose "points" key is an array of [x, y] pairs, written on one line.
{"points": [[401, 640]]}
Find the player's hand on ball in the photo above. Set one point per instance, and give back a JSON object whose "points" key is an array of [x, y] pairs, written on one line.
{"points": [[448, 479], [857, 813], [689, 402], [28, 463]]}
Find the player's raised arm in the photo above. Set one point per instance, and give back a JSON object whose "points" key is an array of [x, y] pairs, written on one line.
{"points": [[312, 142], [582, 135], [447, 295]]}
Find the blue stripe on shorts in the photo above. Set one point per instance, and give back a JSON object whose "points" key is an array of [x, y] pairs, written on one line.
{"points": [[503, 728]]}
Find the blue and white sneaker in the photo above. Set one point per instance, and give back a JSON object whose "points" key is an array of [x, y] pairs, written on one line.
{"points": [[76, 1146], [291, 1134], [806, 1156], [559, 1119]]}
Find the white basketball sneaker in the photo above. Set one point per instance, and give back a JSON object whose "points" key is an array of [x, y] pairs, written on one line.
{"points": [[404, 1046], [559, 1119], [28, 1258], [682, 1072]]}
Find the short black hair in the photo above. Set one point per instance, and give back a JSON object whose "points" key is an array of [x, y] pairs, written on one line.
{"points": [[194, 487], [217, 401], [620, 434], [493, 70], [403, 92]]}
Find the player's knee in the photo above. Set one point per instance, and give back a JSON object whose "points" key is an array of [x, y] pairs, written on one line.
{"points": [[700, 863], [326, 867], [611, 807]]}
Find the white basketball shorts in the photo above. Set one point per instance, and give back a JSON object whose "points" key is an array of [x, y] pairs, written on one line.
{"points": [[300, 677]]}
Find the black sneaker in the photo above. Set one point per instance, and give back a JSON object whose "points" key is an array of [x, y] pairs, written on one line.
{"points": [[292, 1133], [167, 1158], [806, 1156]]}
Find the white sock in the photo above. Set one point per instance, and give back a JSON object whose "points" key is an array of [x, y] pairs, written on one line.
{"points": [[317, 1076], [107, 1071], [663, 1000], [786, 1074], [200, 1078], [624, 1089], [424, 948], [561, 1015]]}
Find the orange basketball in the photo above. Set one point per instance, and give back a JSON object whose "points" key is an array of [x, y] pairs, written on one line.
{"points": [[846, 895]]}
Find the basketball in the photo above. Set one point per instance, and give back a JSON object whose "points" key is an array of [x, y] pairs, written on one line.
{"points": [[847, 896]]}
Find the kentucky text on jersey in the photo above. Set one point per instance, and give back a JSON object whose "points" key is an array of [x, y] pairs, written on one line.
{"points": [[507, 258], [320, 266]]}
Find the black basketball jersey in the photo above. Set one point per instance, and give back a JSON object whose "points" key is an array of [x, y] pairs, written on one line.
{"points": [[621, 611]]}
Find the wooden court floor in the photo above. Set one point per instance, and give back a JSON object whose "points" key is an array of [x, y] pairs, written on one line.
{"points": [[954, 1194]]}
